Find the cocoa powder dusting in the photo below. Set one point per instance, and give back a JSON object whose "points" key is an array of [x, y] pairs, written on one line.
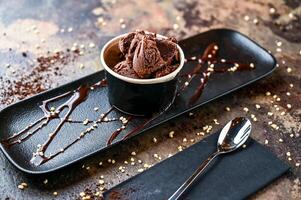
{"points": [[120, 194], [91, 194], [35, 79]]}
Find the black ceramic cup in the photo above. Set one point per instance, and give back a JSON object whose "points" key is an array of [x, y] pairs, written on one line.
{"points": [[138, 96]]}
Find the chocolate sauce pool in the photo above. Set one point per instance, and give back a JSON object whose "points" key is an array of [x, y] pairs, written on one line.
{"points": [[205, 67]]}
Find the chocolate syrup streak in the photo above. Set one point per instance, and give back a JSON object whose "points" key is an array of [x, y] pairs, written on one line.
{"points": [[77, 97], [139, 128], [208, 60], [133, 131], [115, 134], [43, 121], [209, 55], [82, 135]]}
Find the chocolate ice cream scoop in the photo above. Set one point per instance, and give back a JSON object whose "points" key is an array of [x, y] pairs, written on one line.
{"points": [[168, 50], [125, 43], [125, 68], [128, 44], [147, 58], [147, 55]]}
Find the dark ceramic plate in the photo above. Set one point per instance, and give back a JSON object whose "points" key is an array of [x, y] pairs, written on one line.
{"points": [[232, 45]]}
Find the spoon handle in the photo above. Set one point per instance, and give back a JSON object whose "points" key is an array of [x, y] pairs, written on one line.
{"points": [[193, 177]]}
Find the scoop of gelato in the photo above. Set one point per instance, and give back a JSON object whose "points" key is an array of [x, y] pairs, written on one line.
{"points": [[125, 43], [168, 50], [147, 56], [128, 43], [125, 68]]}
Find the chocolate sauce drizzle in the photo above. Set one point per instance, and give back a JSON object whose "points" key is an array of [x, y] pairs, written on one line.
{"points": [[77, 97], [44, 158], [132, 132], [207, 60], [115, 134]]}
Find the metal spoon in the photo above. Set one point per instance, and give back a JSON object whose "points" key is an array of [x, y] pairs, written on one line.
{"points": [[232, 136]]}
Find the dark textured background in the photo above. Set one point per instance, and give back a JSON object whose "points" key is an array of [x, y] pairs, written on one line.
{"points": [[34, 27]]}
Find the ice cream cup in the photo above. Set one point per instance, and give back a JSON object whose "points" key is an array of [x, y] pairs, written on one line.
{"points": [[138, 96]]}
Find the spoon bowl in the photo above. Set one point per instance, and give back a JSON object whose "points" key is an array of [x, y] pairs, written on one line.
{"points": [[234, 134]]}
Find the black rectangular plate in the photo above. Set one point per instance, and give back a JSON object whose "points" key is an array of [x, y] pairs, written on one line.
{"points": [[233, 45], [233, 176]]}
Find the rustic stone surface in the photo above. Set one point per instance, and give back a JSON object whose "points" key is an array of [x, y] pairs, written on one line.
{"points": [[28, 29]]}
